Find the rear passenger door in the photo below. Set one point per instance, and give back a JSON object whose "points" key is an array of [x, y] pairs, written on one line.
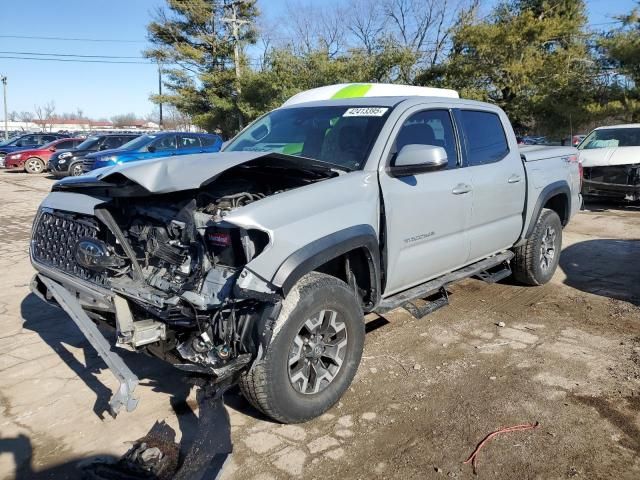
{"points": [[497, 178]]}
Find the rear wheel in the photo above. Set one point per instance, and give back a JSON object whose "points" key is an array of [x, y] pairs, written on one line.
{"points": [[34, 165], [314, 352], [536, 261], [75, 170]]}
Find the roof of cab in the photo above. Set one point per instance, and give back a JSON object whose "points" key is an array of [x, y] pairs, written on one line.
{"points": [[360, 90]]}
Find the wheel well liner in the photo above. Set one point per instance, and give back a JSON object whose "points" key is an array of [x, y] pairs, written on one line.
{"points": [[556, 197], [325, 249]]}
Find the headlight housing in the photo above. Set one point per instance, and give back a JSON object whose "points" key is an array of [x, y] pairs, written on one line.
{"points": [[14, 156], [65, 155]]}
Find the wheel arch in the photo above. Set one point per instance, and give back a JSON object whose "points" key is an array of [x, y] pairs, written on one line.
{"points": [[557, 197], [351, 254]]}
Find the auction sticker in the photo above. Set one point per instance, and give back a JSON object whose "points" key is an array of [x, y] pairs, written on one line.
{"points": [[365, 112]]}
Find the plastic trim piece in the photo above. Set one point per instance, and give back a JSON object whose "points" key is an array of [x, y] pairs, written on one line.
{"points": [[327, 248], [128, 381], [551, 190]]}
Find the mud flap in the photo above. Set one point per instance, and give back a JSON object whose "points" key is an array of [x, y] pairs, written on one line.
{"points": [[128, 381]]}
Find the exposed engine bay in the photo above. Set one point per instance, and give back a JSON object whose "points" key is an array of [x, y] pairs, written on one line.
{"points": [[173, 261]]}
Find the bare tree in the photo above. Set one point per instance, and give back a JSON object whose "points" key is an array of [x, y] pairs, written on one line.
{"points": [[313, 27], [26, 118], [366, 20], [45, 114]]}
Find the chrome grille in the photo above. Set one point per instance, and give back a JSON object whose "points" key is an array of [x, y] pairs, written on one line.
{"points": [[87, 164], [54, 240]]}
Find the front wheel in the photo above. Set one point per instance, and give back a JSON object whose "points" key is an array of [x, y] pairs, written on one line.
{"points": [[314, 352], [34, 165], [536, 261], [75, 170]]}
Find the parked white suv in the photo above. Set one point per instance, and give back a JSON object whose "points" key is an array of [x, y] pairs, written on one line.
{"points": [[610, 157]]}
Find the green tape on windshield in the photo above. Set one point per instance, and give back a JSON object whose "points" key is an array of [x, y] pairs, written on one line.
{"points": [[353, 91]]}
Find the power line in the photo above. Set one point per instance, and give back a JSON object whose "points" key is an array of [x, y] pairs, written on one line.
{"points": [[68, 55], [74, 60], [66, 39]]}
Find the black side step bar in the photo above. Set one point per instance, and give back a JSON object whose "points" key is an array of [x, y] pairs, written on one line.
{"points": [[496, 274], [433, 286], [431, 305]]}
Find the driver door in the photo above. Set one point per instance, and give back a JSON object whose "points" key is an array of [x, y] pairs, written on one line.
{"points": [[426, 214]]}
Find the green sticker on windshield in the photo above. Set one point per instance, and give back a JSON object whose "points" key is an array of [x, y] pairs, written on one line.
{"points": [[353, 91]]}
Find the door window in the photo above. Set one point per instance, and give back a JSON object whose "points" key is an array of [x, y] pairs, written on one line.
{"points": [[430, 127], [28, 141], [208, 140], [65, 145], [486, 141], [112, 142], [188, 141], [165, 143]]}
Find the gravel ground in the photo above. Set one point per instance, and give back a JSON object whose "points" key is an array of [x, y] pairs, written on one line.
{"points": [[427, 391]]}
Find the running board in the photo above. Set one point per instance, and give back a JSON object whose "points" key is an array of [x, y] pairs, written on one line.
{"points": [[430, 305], [489, 276], [432, 286]]}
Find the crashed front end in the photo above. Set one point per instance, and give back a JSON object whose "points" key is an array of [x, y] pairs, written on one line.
{"points": [[613, 181], [166, 270]]}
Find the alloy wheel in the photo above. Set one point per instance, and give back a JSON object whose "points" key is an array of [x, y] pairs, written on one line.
{"points": [[548, 248], [317, 352]]}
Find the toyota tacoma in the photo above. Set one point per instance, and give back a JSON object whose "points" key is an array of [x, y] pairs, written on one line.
{"points": [[256, 265]]}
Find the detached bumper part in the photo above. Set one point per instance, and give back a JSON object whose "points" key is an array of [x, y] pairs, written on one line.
{"points": [[128, 381], [616, 181]]}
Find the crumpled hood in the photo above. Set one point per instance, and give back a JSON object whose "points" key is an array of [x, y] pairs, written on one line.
{"points": [[605, 157], [185, 172]]}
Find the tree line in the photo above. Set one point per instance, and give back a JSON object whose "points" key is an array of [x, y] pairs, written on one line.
{"points": [[537, 59]]}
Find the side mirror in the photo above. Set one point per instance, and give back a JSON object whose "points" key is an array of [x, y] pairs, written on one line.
{"points": [[52, 149], [414, 159], [151, 149], [102, 147]]}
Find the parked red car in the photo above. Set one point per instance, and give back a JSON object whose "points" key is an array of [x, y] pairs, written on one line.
{"points": [[35, 160]]}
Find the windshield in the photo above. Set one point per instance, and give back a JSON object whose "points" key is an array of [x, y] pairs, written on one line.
{"points": [[336, 135], [137, 142], [611, 138], [88, 144], [50, 144], [9, 141]]}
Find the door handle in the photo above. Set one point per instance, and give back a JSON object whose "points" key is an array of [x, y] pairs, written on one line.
{"points": [[461, 188], [514, 179]]}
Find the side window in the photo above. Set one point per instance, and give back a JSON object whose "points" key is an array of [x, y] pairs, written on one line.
{"points": [[112, 142], [64, 145], [208, 140], [430, 127], [165, 143], [485, 138], [188, 141], [28, 141]]}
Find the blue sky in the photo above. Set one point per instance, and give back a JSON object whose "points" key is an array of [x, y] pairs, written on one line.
{"points": [[103, 90]]}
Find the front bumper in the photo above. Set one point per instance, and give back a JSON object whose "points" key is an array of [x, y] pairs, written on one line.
{"points": [[52, 291], [618, 181]]}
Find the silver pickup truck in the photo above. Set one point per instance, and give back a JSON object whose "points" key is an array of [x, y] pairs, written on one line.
{"points": [[256, 265]]}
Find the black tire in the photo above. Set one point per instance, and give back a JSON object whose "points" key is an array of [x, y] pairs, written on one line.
{"points": [[34, 165], [269, 386], [75, 169], [531, 265]]}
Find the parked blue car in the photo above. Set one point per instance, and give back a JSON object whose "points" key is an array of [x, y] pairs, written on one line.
{"points": [[27, 142], [154, 145]]}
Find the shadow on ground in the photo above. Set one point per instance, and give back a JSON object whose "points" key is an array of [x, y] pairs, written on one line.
{"points": [[605, 267], [59, 332]]}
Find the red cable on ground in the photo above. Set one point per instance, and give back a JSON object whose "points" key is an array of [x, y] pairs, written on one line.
{"points": [[473, 457]]}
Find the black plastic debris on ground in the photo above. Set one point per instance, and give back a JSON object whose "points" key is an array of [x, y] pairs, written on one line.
{"points": [[156, 455]]}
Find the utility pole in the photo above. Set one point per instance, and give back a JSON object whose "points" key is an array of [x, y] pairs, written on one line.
{"points": [[235, 32], [160, 92], [4, 93]]}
